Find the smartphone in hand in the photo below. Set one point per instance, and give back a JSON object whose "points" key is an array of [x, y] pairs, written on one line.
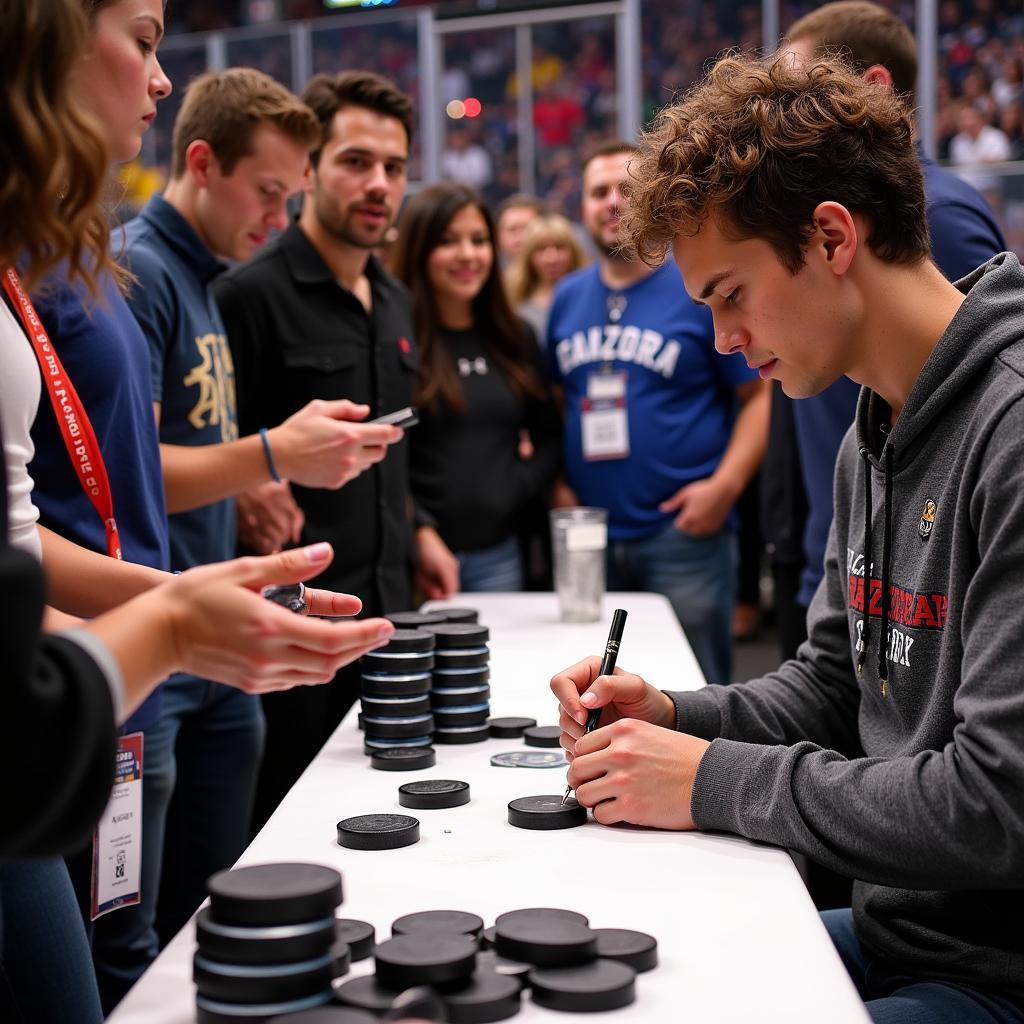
{"points": [[404, 418]]}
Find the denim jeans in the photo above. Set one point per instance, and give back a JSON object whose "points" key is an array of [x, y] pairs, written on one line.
{"points": [[895, 998], [697, 575], [491, 569], [200, 762], [46, 974]]}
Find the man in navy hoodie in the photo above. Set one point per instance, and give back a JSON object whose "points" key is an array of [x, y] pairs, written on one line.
{"points": [[889, 749]]}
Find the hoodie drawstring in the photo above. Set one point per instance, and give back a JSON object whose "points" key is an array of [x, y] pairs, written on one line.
{"points": [[883, 646], [865, 629]]}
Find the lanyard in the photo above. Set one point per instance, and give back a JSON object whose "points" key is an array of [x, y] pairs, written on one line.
{"points": [[75, 428]]}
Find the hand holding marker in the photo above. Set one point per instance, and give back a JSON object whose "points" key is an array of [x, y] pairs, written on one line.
{"points": [[611, 653]]}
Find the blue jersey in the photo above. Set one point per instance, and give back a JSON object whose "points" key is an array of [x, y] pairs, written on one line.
{"points": [[191, 374], [107, 359], [680, 393]]}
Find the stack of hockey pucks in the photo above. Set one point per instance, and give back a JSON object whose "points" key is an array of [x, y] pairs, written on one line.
{"points": [[395, 693], [461, 692], [268, 942]]}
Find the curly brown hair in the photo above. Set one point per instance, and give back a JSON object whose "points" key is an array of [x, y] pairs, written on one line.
{"points": [[53, 158], [761, 142]]}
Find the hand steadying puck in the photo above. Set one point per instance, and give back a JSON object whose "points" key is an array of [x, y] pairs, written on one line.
{"points": [[544, 941], [544, 813], [378, 832], [446, 922], [637, 949], [589, 988], [489, 996], [424, 958], [542, 736], [266, 895], [403, 759]]}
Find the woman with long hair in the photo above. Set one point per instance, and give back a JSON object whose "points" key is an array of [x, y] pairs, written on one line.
{"points": [[550, 251], [481, 385]]}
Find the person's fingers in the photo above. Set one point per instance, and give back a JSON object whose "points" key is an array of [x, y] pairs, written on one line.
{"points": [[342, 409], [609, 812], [596, 741], [678, 500], [571, 729], [291, 566], [568, 684], [587, 767], [596, 791], [329, 603], [621, 688], [343, 641]]}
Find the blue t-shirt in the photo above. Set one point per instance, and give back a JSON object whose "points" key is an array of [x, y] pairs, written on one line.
{"points": [[105, 356], [680, 392], [190, 369], [964, 234]]}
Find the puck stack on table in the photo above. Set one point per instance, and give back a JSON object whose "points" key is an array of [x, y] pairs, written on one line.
{"points": [[395, 692], [268, 942], [460, 698]]}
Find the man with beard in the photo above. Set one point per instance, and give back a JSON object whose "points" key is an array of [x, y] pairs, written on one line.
{"points": [[661, 430], [316, 316]]}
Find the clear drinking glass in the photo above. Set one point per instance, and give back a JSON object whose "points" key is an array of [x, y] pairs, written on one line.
{"points": [[579, 537]]}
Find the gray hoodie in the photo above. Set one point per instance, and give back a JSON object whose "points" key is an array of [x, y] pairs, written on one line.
{"points": [[907, 774]]}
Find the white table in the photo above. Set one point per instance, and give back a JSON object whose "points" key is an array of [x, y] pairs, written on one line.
{"points": [[739, 939]]}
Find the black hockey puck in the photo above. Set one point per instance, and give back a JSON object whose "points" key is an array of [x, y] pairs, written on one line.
{"points": [[398, 663], [341, 956], [212, 1011], [636, 949], [424, 958], [328, 1015], [439, 922], [467, 714], [545, 941], [267, 983], [459, 678], [409, 641], [359, 936], [395, 707], [434, 794], [489, 996], [459, 634], [544, 813], [542, 914], [398, 728], [383, 685], [415, 620], [372, 745], [288, 943], [510, 728], [459, 696], [403, 759], [542, 736], [463, 657], [457, 614], [488, 960], [266, 895], [365, 993], [599, 985], [378, 832], [464, 734]]}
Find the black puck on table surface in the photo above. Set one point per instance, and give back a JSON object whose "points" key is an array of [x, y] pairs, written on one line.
{"points": [[395, 707], [414, 661], [450, 635], [424, 958], [434, 794], [439, 922], [398, 728], [466, 714], [598, 985], [459, 696], [403, 759], [542, 914], [457, 614], [408, 641], [546, 813], [489, 960], [414, 620], [462, 657], [545, 942], [489, 996], [265, 983], [328, 1015], [542, 736], [378, 832], [359, 936], [288, 943], [265, 895], [213, 1011], [366, 993], [462, 734], [510, 728], [381, 685], [636, 949]]}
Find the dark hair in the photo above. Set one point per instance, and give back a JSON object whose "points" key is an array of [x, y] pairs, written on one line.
{"points": [[521, 201], [610, 147], [760, 143], [225, 108], [326, 94], [864, 34], [422, 226]]}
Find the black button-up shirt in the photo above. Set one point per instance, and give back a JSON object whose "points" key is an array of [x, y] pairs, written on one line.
{"points": [[295, 335]]}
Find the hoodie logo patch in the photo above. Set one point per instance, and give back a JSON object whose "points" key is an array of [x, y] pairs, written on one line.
{"points": [[927, 520]]}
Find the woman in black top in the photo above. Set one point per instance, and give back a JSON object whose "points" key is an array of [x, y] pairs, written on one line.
{"points": [[488, 442]]}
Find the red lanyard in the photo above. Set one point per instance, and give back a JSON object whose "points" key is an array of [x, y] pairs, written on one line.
{"points": [[75, 427]]}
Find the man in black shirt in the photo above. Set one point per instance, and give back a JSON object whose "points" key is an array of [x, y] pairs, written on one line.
{"points": [[316, 316]]}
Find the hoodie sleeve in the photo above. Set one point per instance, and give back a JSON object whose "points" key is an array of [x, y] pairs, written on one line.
{"points": [[949, 818]]}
